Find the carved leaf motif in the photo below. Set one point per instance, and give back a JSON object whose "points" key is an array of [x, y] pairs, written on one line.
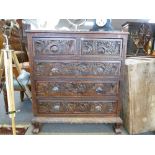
{"points": [[44, 107], [87, 46], [89, 68], [76, 107], [101, 47], [81, 88], [83, 107], [68, 107], [39, 46], [75, 89], [54, 46]]}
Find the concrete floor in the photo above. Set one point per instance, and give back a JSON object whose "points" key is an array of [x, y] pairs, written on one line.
{"points": [[24, 117]]}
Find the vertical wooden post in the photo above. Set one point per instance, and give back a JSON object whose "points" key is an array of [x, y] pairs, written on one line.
{"points": [[1, 64], [9, 85], [16, 62]]}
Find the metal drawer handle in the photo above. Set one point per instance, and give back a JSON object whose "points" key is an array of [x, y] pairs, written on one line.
{"points": [[98, 108], [55, 70], [56, 88], [99, 90], [100, 69], [56, 107]]}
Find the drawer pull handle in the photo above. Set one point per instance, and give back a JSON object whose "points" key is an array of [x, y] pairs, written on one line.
{"points": [[56, 107], [55, 70], [99, 90], [55, 89], [100, 69], [98, 108]]}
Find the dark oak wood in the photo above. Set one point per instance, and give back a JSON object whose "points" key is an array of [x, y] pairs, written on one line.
{"points": [[76, 76]]}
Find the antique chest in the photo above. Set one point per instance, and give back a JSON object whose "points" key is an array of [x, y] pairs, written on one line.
{"points": [[76, 76]]}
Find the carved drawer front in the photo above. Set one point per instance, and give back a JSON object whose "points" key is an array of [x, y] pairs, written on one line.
{"points": [[85, 107], [54, 46], [104, 47], [77, 68], [46, 89]]}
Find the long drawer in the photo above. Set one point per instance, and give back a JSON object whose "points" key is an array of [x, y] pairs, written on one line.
{"points": [[76, 68], [76, 88], [76, 107]]}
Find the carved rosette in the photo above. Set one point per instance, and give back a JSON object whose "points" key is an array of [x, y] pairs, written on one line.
{"points": [[75, 68], [49, 107], [107, 47], [75, 89], [54, 46]]}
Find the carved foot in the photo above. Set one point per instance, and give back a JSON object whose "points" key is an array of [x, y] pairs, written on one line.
{"points": [[117, 128], [36, 127]]}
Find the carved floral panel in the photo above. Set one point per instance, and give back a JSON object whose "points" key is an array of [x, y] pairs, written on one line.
{"points": [[50, 107], [106, 47], [52, 46], [77, 68], [75, 89]]}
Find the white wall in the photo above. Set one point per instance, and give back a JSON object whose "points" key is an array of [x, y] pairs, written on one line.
{"points": [[63, 24]]}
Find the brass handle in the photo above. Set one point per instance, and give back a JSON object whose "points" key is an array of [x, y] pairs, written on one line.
{"points": [[98, 108]]}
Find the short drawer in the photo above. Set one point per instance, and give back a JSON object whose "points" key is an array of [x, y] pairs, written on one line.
{"points": [[75, 88], [102, 47], [74, 68], [54, 46], [76, 107]]}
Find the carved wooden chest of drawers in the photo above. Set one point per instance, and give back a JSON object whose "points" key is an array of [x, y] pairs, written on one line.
{"points": [[76, 76]]}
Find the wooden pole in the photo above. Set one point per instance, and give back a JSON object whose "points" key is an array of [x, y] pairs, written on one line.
{"points": [[16, 62], [9, 85], [1, 64]]}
